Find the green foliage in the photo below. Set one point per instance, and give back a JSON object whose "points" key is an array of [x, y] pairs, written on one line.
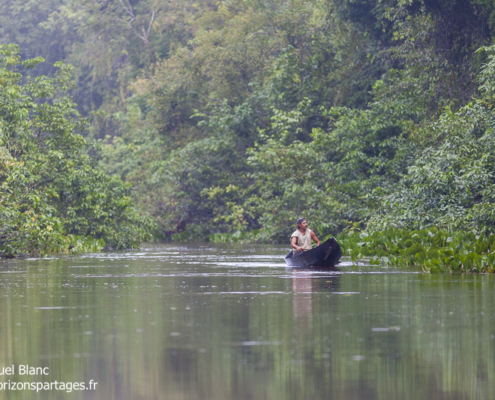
{"points": [[233, 119], [133, 157], [50, 187], [76, 244], [25, 22], [337, 177], [431, 249], [210, 183], [307, 156], [253, 236], [451, 185]]}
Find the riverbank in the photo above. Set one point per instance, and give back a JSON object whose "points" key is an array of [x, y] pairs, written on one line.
{"points": [[69, 244]]}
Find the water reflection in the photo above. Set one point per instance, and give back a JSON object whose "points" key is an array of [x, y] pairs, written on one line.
{"points": [[304, 283], [232, 322]]}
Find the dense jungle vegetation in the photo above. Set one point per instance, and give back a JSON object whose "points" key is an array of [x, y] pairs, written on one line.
{"points": [[230, 119]]}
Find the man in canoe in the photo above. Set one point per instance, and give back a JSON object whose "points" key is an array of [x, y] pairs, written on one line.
{"points": [[301, 238]]}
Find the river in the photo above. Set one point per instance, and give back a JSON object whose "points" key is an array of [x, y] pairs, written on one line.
{"points": [[228, 322]]}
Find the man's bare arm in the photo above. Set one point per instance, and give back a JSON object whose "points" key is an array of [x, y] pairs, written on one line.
{"points": [[294, 245], [313, 236]]}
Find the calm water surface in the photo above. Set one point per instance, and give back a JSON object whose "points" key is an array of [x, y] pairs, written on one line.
{"points": [[232, 322]]}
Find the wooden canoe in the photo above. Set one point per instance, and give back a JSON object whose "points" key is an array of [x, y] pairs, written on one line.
{"points": [[326, 255]]}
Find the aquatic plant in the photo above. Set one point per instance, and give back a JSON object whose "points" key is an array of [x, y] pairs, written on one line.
{"points": [[431, 249], [79, 244]]}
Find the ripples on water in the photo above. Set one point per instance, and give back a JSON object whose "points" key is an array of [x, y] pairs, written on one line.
{"points": [[225, 322]]}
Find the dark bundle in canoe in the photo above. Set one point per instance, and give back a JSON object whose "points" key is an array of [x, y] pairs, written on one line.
{"points": [[325, 255]]}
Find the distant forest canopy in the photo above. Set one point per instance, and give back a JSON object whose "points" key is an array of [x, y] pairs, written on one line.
{"points": [[231, 119]]}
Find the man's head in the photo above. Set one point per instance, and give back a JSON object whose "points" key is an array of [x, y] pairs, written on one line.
{"points": [[302, 223]]}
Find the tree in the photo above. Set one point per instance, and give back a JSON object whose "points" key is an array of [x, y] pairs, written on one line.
{"points": [[50, 187]]}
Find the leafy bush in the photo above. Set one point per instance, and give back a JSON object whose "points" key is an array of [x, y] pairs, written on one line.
{"points": [[50, 187], [450, 184]]}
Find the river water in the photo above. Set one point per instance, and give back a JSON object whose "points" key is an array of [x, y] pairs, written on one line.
{"points": [[232, 322]]}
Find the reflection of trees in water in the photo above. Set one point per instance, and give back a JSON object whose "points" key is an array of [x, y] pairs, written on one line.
{"points": [[182, 363], [304, 284], [306, 280], [286, 345]]}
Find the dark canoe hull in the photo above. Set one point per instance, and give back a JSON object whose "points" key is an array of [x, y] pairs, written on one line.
{"points": [[326, 254]]}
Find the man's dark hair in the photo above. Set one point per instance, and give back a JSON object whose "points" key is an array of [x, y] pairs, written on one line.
{"points": [[299, 221]]}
